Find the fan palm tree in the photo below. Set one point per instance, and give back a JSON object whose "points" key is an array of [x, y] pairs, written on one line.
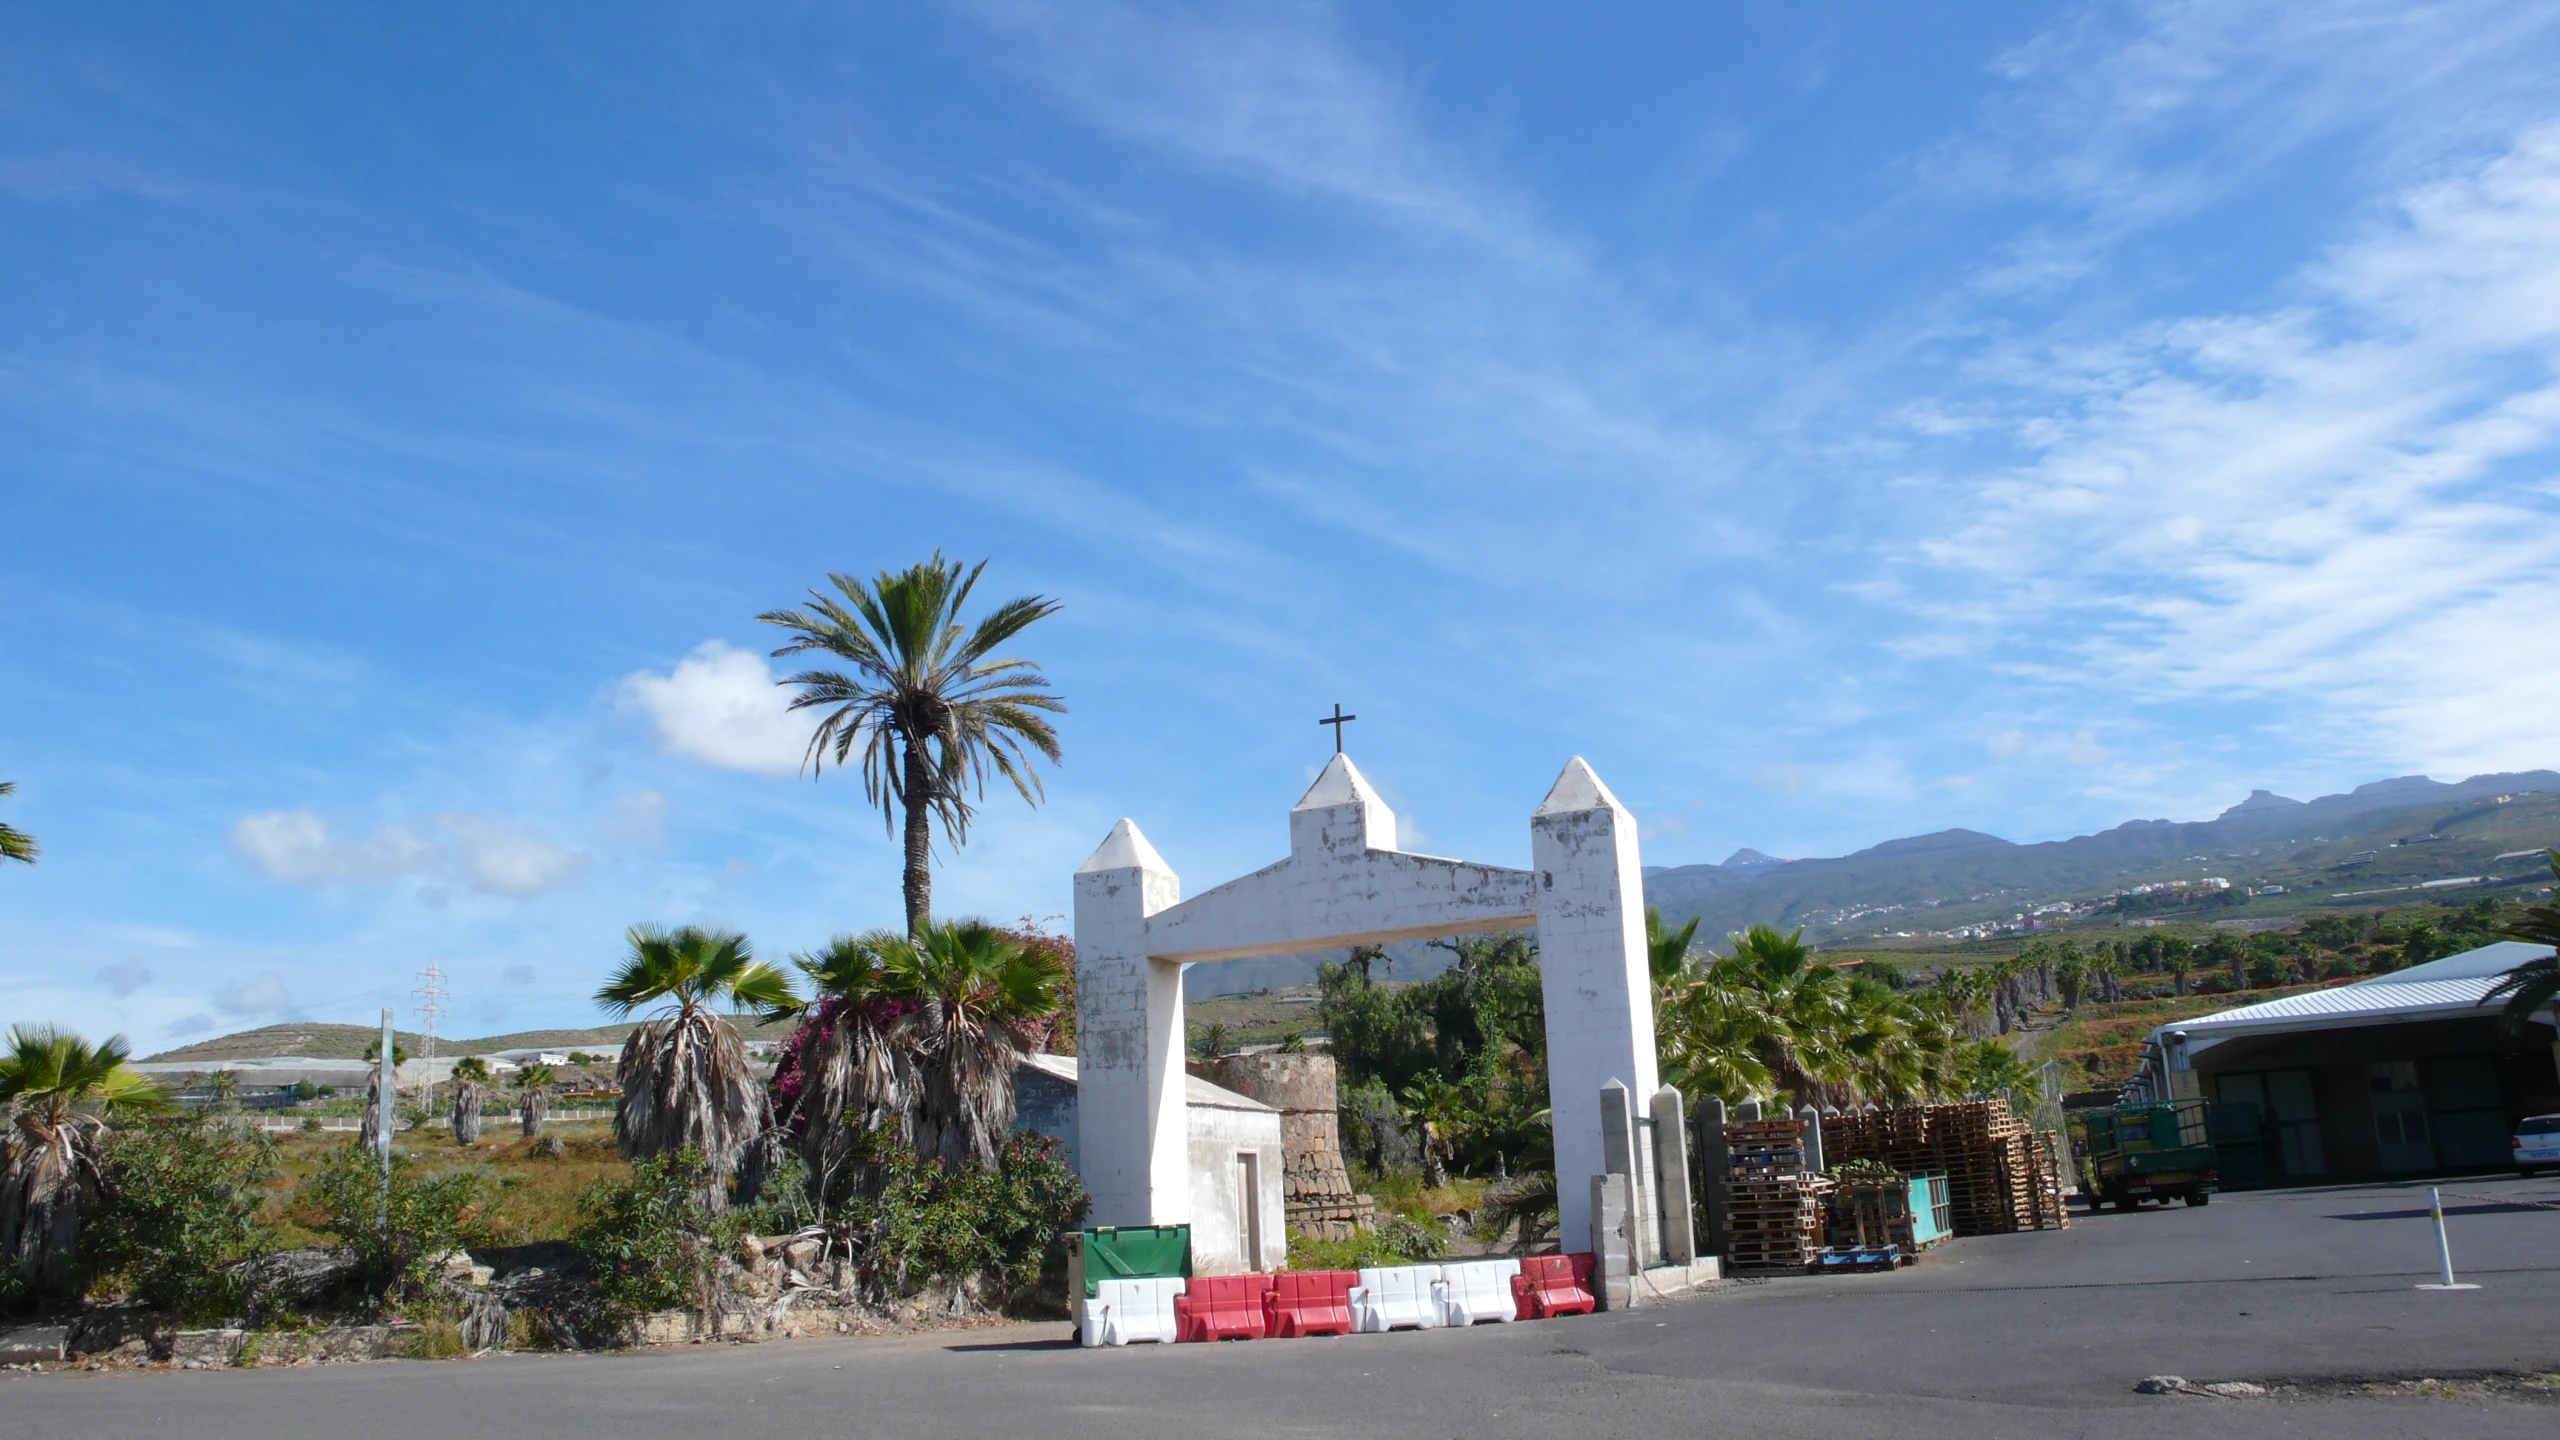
{"points": [[927, 702], [916, 1038], [1992, 1071], [533, 1097], [470, 1077], [974, 988], [686, 1081], [63, 1092], [1666, 949], [2535, 983], [15, 844]]}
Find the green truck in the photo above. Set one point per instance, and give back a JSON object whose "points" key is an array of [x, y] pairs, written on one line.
{"points": [[2133, 1153]]}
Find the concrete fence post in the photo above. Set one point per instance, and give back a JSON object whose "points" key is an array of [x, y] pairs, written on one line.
{"points": [[1613, 1265], [1679, 1216], [1715, 1167], [1619, 1155]]}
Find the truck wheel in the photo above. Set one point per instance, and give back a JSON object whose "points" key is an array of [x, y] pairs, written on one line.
{"points": [[2198, 1199]]}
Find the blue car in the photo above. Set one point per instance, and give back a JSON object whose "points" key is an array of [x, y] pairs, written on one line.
{"points": [[2537, 1143]]}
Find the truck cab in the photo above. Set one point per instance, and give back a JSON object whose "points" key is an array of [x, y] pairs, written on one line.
{"points": [[2154, 1151]]}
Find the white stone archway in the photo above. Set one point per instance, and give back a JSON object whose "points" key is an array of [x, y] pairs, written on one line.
{"points": [[1346, 883]]}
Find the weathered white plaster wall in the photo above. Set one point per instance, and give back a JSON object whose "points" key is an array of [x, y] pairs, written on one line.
{"points": [[1343, 883], [1217, 1124], [1214, 1133], [1128, 1039]]}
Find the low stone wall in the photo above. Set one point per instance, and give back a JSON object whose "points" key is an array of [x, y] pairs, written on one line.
{"points": [[218, 1349]]}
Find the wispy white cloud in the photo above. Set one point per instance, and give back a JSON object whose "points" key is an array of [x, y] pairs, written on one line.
{"points": [[2350, 501], [297, 847], [1269, 94], [264, 995], [499, 859], [2121, 118], [125, 977]]}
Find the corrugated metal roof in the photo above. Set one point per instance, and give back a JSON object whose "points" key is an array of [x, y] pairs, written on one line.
{"points": [[2494, 959], [2445, 989], [2377, 1001]]}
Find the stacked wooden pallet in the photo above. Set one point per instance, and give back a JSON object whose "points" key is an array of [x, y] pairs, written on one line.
{"points": [[1773, 1208], [1871, 1210], [2001, 1176], [2052, 1162]]}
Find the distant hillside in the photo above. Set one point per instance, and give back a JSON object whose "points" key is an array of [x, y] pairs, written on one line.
{"points": [[2338, 849], [349, 1042], [2318, 848]]}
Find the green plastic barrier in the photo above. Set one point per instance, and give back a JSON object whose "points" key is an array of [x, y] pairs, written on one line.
{"points": [[1128, 1252]]}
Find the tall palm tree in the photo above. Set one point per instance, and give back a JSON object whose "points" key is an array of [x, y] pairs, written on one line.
{"points": [[915, 1039], [15, 844], [927, 701], [63, 1091], [2535, 983], [686, 1081]]}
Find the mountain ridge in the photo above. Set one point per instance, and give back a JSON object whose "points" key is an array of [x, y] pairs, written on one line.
{"points": [[1957, 868]]}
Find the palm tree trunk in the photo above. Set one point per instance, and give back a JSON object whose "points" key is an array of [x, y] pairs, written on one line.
{"points": [[919, 877]]}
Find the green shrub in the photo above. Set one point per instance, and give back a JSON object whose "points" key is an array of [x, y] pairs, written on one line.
{"points": [[393, 1233], [784, 1205], [649, 1241], [1395, 1241], [178, 1204], [931, 1222]]}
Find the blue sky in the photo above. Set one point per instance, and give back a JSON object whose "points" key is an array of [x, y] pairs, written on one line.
{"points": [[1836, 422]]}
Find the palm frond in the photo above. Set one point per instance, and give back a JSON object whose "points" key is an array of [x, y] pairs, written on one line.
{"points": [[921, 706], [15, 844]]}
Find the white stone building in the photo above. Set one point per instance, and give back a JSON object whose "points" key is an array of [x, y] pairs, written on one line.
{"points": [[1233, 1144]]}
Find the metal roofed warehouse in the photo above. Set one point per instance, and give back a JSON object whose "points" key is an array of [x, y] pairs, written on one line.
{"points": [[2398, 1074]]}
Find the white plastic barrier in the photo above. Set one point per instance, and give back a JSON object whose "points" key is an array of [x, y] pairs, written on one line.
{"points": [[1473, 1291], [1400, 1297], [1128, 1312]]}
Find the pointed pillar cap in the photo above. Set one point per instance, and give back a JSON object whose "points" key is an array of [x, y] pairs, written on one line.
{"points": [[1124, 849], [1340, 784], [1577, 789]]}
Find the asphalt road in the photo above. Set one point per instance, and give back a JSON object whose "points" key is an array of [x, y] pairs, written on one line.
{"points": [[2028, 1335]]}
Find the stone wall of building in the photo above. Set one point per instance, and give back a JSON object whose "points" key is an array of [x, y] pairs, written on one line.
{"points": [[1315, 1185]]}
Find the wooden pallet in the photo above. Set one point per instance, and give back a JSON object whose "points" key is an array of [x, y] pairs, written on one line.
{"points": [[2001, 1176]]}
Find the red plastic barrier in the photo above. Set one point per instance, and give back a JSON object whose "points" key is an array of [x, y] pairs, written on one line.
{"points": [[1310, 1302], [1552, 1285], [1222, 1307]]}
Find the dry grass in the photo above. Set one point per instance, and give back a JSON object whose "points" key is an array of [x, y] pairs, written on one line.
{"points": [[2100, 1044], [532, 1196]]}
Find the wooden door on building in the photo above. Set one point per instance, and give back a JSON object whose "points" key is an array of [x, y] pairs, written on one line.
{"points": [[1249, 1208]]}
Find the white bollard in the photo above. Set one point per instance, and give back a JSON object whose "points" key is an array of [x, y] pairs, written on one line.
{"points": [[2444, 1248]]}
